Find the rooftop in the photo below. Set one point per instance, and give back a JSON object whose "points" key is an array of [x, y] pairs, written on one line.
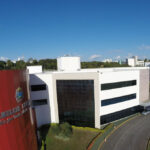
{"points": [[102, 70]]}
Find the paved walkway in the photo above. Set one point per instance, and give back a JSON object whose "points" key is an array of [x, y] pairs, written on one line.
{"points": [[133, 135]]}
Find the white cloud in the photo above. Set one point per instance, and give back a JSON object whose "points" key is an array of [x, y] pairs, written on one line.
{"points": [[14, 61], [3, 58], [144, 47], [118, 57], [20, 58], [95, 56]]}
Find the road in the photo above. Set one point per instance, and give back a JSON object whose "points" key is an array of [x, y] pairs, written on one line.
{"points": [[133, 135]]}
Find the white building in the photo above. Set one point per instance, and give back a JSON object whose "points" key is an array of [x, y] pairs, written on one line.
{"points": [[135, 62], [107, 60], [88, 97], [140, 63], [131, 62], [147, 64]]}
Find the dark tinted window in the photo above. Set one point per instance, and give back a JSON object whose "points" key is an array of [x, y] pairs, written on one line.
{"points": [[118, 99], [120, 114], [115, 85], [39, 102], [76, 102], [38, 87]]}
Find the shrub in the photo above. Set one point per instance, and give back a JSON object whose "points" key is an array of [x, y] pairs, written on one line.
{"points": [[62, 130], [66, 130], [55, 129]]}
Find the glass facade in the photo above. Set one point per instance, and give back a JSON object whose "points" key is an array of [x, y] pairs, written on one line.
{"points": [[76, 102], [108, 86], [118, 99], [38, 87], [120, 114]]}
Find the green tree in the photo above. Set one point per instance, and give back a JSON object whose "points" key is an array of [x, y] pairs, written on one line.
{"points": [[48, 64], [35, 62], [10, 64], [2, 65], [20, 64]]}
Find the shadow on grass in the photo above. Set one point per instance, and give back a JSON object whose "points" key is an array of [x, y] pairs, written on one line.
{"points": [[61, 131], [43, 134]]}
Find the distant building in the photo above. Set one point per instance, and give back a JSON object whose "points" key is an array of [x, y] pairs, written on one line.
{"points": [[107, 60], [131, 62], [135, 62], [140, 63], [120, 62], [147, 64]]}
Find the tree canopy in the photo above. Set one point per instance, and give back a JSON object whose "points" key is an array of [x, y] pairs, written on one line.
{"points": [[51, 64]]}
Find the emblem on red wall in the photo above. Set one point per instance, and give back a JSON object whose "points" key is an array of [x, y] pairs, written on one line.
{"points": [[19, 94]]}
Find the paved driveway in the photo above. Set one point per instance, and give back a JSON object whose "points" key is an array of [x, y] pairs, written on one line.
{"points": [[131, 136]]}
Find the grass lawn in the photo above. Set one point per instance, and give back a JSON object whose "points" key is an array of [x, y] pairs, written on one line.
{"points": [[79, 140], [80, 137]]}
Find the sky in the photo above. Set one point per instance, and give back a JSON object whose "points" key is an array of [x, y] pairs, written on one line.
{"points": [[91, 29]]}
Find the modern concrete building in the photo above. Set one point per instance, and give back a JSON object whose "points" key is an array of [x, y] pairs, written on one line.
{"points": [[135, 62], [88, 97], [131, 62]]}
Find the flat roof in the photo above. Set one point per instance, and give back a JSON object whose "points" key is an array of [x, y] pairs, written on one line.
{"points": [[100, 70]]}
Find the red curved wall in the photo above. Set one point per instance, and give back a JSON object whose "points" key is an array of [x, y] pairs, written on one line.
{"points": [[17, 130]]}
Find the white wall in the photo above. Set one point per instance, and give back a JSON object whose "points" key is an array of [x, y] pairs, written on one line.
{"points": [[131, 62], [44, 113], [68, 63], [112, 77], [34, 69], [140, 63]]}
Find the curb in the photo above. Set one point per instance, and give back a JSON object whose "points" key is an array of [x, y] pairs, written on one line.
{"points": [[94, 139], [92, 142]]}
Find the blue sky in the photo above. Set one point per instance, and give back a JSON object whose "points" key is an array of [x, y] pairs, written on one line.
{"points": [[92, 29]]}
